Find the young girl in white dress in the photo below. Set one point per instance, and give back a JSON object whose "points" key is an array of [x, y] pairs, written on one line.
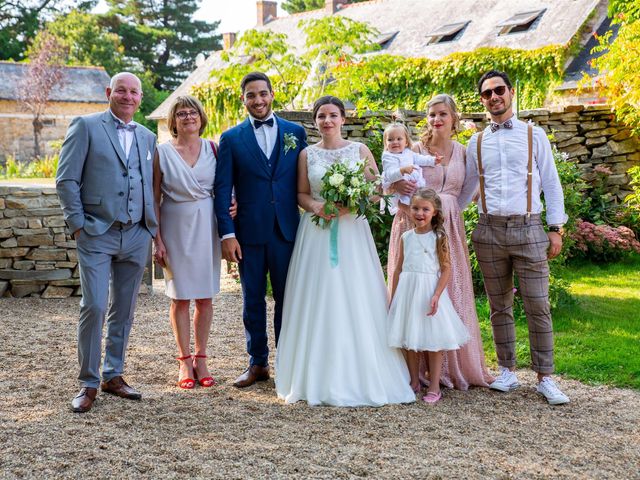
{"points": [[422, 317], [400, 162]]}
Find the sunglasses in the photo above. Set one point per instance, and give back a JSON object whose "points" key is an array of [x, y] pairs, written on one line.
{"points": [[183, 115], [499, 91]]}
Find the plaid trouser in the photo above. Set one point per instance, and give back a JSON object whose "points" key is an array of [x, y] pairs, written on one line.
{"points": [[505, 245]]}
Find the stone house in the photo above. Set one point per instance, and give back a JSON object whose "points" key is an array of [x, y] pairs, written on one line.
{"points": [[81, 92], [434, 29]]}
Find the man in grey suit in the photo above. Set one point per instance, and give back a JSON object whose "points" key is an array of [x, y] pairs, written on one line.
{"points": [[104, 182]]}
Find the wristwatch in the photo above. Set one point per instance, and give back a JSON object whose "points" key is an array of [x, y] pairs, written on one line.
{"points": [[556, 229]]}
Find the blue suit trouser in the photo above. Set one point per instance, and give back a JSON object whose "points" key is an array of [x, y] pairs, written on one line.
{"points": [[258, 260]]}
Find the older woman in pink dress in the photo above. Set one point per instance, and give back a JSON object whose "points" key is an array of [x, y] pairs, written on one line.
{"points": [[466, 366]]}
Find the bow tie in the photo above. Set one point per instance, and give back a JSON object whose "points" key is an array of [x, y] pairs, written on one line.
{"points": [[258, 123], [495, 126], [130, 127]]}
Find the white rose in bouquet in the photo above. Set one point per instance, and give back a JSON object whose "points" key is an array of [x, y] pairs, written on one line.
{"points": [[336, 179]]}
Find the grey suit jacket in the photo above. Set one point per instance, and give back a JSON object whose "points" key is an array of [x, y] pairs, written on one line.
{"points": [[92, 174]]}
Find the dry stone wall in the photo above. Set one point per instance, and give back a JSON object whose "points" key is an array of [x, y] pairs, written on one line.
{"points": [[589, 135], [37, 256]]}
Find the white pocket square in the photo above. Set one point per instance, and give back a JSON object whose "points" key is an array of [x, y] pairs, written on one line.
{"points": [[148, 155]]}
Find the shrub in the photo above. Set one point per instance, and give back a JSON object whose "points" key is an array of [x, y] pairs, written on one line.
{"points": [[604, 243]]}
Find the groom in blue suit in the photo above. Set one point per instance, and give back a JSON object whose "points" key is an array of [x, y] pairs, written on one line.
{"points": [[258, 160]]}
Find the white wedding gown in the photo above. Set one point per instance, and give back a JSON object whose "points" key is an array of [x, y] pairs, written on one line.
{"points": [[333, 344]]}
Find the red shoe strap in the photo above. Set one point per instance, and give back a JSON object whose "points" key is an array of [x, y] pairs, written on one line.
{"points": [[183, 358], [200, 356]]}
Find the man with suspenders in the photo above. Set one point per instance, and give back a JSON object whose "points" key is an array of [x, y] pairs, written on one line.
{"points": [[512, 162]]}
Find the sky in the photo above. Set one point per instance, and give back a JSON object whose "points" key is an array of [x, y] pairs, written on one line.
{"points": [[234, 15]]}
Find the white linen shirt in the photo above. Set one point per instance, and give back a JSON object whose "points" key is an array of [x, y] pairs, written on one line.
{"points": [[504, 160], [266, 136], [125, 137]]}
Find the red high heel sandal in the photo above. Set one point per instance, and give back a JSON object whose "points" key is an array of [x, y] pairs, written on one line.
{"points": [[206, 381], [186, 383]]}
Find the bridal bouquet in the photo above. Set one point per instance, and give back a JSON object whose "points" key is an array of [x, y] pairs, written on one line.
{"points": [[347, 186]]}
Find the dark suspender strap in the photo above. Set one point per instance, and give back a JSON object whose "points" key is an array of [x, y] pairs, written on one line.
{"points": [[483, 199], [529, 168]]}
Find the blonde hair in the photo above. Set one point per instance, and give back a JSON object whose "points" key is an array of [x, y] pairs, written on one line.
{"points": [[437, 224], [427, 133], [185, 101], [394, 126]]}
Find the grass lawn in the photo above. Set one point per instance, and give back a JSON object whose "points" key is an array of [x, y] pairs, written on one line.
{"points": [[597, 338]]}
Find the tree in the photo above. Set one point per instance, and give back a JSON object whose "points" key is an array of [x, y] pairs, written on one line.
{"points": [[20, 20], [45, 71], [332, 41], [261, 50], [86, 40], [620, 63], [296, 6], [161, 36]]}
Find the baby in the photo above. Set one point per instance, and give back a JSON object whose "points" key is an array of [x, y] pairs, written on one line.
{"points": [[400, 162]]}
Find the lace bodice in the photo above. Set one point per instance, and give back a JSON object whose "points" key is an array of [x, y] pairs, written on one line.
{"points": [[420, 252], [320, 159]]}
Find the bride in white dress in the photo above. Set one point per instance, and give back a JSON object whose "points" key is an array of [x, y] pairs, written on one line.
{"points": [[333, 344]]}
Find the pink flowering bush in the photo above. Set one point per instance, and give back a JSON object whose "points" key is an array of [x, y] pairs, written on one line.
{"points": [[603, 242]]}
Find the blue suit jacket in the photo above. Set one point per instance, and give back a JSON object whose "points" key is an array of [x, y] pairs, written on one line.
{"points": [[264, 196]]}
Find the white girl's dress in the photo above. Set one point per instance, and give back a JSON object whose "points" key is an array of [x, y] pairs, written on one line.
{"points": [[391, 165], [333, 344], [410, 326]]}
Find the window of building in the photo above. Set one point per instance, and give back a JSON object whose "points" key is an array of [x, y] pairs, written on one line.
{"points": [[447, 33], [520, 22]]}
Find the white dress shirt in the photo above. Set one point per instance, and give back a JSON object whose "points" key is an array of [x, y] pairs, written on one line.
{"points": [[504, 160], [124, 136], [266, 136]]}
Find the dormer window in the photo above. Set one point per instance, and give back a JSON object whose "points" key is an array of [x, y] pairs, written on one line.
{"points": [[385, 39], [447, 33], [520, 22]]}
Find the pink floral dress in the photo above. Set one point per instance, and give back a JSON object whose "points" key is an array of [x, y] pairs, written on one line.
{"points": [[466, 366]]}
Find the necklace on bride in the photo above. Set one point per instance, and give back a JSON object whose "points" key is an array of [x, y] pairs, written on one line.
{"points": [[424, 249]]}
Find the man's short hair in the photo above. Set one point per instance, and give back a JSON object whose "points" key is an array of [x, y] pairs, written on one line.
{"points": [[491, 74], [119, 75], [255, 76]]}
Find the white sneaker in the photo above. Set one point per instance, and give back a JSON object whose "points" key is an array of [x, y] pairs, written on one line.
{"points": [[506, 381], [552, 393]]}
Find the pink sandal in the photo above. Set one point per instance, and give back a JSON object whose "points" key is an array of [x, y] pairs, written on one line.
{"points": [[432, 397]]}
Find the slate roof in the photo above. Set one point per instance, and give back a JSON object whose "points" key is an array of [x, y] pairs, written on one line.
{"points": [[80, 84], [406, 28], [581, 64]]}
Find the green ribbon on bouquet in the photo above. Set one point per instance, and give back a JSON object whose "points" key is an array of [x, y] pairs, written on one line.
{"points": [[333, 242]]}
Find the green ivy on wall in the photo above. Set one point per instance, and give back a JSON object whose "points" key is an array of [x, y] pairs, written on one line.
{"points": [[390, 82]]}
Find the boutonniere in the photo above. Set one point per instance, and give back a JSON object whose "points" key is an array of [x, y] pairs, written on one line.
{"points": [[290, 142]]}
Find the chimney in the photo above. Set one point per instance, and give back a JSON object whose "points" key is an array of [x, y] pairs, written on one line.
{"points": [[267, 11], [332, 6], [228, 39]]}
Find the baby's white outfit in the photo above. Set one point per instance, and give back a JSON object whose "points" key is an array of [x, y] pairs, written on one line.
{"points": [[391, 165]]}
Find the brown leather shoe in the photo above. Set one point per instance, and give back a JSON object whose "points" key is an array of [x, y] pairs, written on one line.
{"points": [[83, 402], [253, 374], [117, 386]]}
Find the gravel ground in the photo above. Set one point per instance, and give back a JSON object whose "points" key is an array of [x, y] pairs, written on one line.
{"points": [[224, 432]]}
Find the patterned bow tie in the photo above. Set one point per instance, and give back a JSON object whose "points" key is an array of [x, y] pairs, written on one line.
{"points": [[129, 127], [496, 126], [258, 123]]}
